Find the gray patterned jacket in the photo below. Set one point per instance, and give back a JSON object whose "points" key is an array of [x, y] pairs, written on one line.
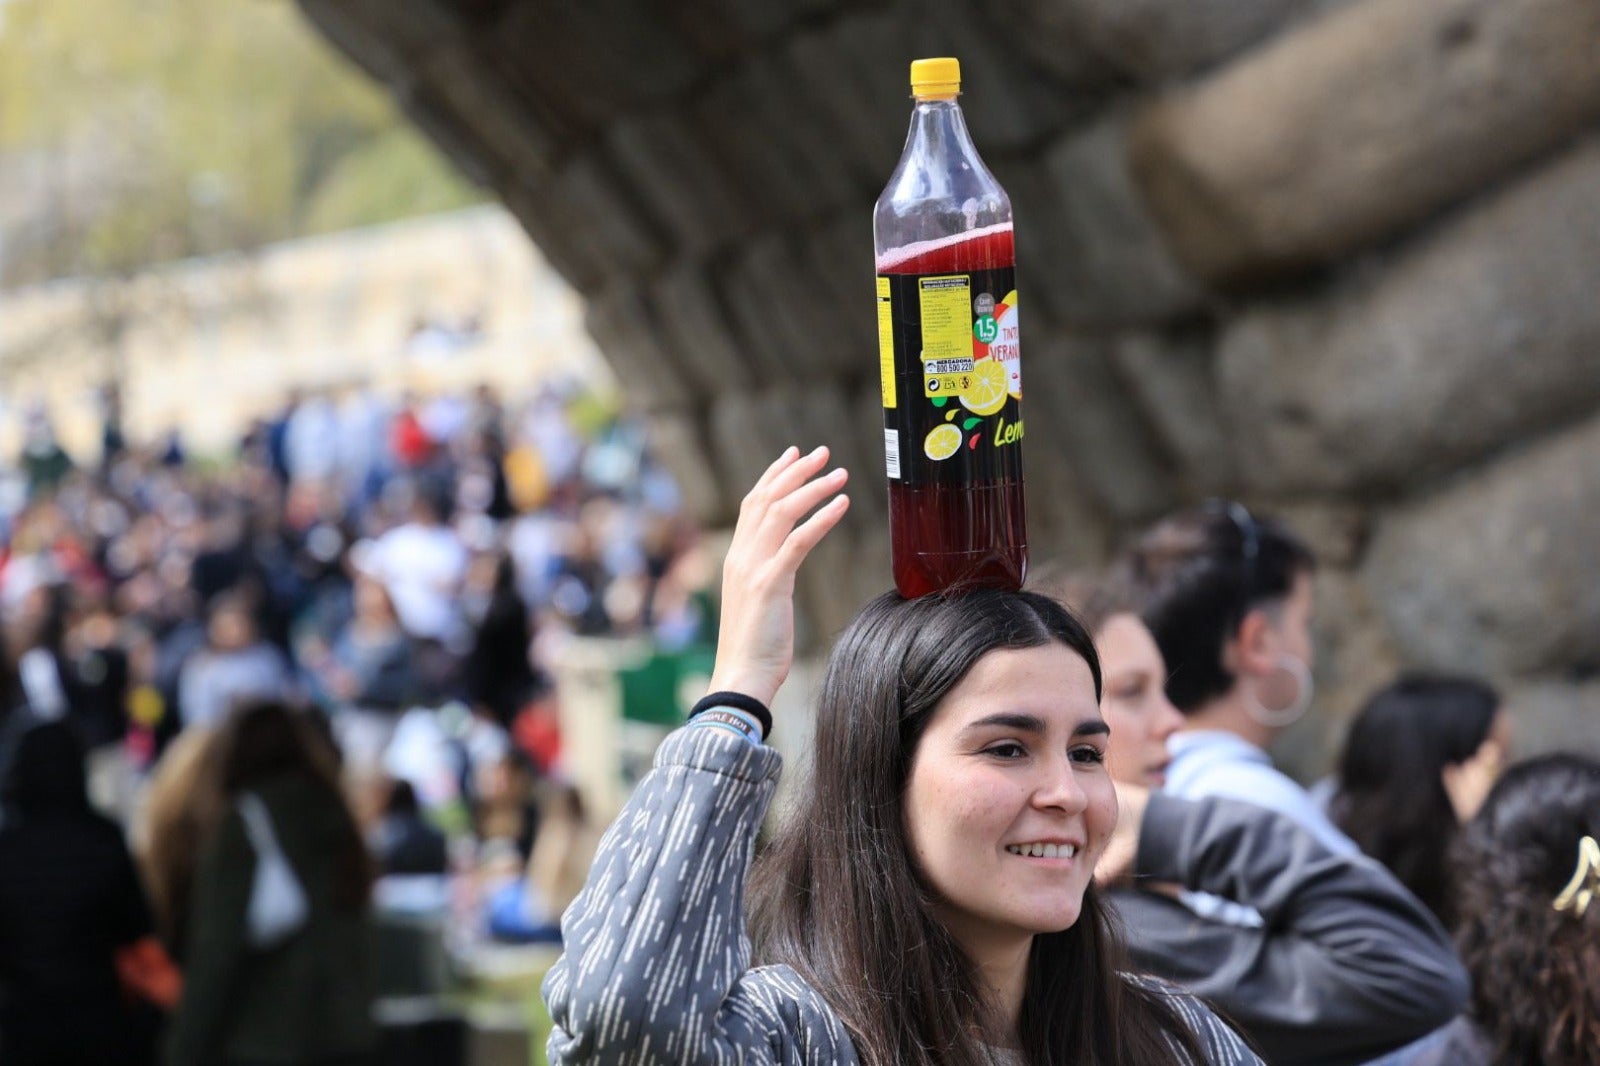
{"points": [[657, 962]]}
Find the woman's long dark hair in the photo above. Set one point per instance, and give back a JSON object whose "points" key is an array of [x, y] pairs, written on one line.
{"points": [[1534, 987], [838, 896], [1392, 800], [263, 742]]}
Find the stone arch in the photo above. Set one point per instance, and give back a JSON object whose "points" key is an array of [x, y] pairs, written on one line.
{"points": [[1334, 256]]}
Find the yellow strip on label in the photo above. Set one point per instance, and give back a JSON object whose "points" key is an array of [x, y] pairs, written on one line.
{"points": [[886, 343]]}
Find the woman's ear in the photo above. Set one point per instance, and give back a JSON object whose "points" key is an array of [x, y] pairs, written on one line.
{"points": [[1254, 649], [1468, 782]]}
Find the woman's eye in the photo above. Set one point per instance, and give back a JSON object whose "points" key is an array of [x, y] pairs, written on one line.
{"points": [[1088, 754], [1006, 750]]}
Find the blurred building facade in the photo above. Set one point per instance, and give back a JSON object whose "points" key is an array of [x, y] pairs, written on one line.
{"points": [[434, 304]]}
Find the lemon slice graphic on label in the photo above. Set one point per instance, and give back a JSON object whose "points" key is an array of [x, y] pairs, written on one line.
{"points": [[941, 442], [988, 391]]}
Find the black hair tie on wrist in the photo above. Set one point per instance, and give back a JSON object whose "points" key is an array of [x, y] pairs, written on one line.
{"points": [[739, 701]]}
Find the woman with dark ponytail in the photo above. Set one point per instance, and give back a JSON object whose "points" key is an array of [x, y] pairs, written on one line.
{"points": [[929, 898]]}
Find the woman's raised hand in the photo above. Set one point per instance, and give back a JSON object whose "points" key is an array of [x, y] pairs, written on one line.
{"points": [[755, 642]]}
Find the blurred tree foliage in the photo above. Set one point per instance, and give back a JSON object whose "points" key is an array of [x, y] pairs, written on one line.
{"points": [[155, 129]]}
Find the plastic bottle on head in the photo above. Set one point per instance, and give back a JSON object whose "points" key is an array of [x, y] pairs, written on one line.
{"points": [[949, 356]]}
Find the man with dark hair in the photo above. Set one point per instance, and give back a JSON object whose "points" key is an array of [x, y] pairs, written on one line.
{"points": [[1228, 597]]}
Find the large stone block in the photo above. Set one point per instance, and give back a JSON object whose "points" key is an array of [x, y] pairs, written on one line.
{"points": [[773, 144], [696, 322], [837, 260], [1553, 715], [630, 57], [792, 333], [386, 39], [1169, 376], [723, 28], [620, 320], [680, 440], [1355, 126], [869, 478], [1004, 112], [861, 103], [575, 260], [1083, 233], [869, 47], [1496, 574], [699, 200], [1483, 332], [748, 431], [488, 109], [1078, 415], [847, 569], [1113, 42], [589, 202], [1068, 528]]}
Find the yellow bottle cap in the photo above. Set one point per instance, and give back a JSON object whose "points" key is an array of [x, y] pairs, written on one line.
{"points": [[936, 77]]}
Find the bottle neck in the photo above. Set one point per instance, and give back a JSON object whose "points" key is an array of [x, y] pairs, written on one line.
{"points": [[938, 129]]}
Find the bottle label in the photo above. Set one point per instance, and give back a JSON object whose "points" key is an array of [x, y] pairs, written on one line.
{"points": [[951, 369]]}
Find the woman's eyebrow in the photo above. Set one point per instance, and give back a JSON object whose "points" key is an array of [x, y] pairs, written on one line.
{"points": [[1026, 723]]}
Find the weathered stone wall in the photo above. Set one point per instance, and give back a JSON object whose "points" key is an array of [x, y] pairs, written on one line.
{"points": [[1337, 257]]}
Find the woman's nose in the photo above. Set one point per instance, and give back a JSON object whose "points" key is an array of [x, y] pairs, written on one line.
{"points": [[1168, 718], [1059, 788]]}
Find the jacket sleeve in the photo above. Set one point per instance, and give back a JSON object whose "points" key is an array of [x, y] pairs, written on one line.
{"points": [[1348, 962], [656, 955]]}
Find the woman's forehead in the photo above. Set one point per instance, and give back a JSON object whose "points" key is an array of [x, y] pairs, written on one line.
{"points": [[1051, 680]]}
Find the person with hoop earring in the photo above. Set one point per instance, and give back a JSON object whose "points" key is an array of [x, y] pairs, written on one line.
{"points": [[1228, 596]]}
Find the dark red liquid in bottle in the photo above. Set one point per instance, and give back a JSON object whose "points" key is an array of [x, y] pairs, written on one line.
{"points": [[973, 535]]}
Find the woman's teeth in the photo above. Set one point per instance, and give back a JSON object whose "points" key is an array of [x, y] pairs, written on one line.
{"points": [[1043, 851]]}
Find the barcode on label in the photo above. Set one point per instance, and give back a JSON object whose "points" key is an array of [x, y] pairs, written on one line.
{"points": [[891, 452]]}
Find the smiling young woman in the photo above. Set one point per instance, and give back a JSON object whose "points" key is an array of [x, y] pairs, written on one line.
{"points": [[928, 899]]}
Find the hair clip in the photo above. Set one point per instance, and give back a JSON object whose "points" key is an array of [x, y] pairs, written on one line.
{"points": [[1585, 883]]}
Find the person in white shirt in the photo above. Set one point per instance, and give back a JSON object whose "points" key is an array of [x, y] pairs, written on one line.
{"points": [[422, 564], [1228, 597]]}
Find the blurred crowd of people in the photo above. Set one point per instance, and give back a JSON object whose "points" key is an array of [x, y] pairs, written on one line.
{"points": [[315, 681], [401, 572]]}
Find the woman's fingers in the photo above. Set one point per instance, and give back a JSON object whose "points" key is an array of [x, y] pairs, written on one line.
{"points": [[810, 532], [787, 474], [781, 498], [756, 641]]}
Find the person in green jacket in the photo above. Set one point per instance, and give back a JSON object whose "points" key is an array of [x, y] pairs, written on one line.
{"points": [[306, 997]]}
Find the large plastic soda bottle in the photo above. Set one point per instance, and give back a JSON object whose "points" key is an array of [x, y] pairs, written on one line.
{"points": [[949, 354]]}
